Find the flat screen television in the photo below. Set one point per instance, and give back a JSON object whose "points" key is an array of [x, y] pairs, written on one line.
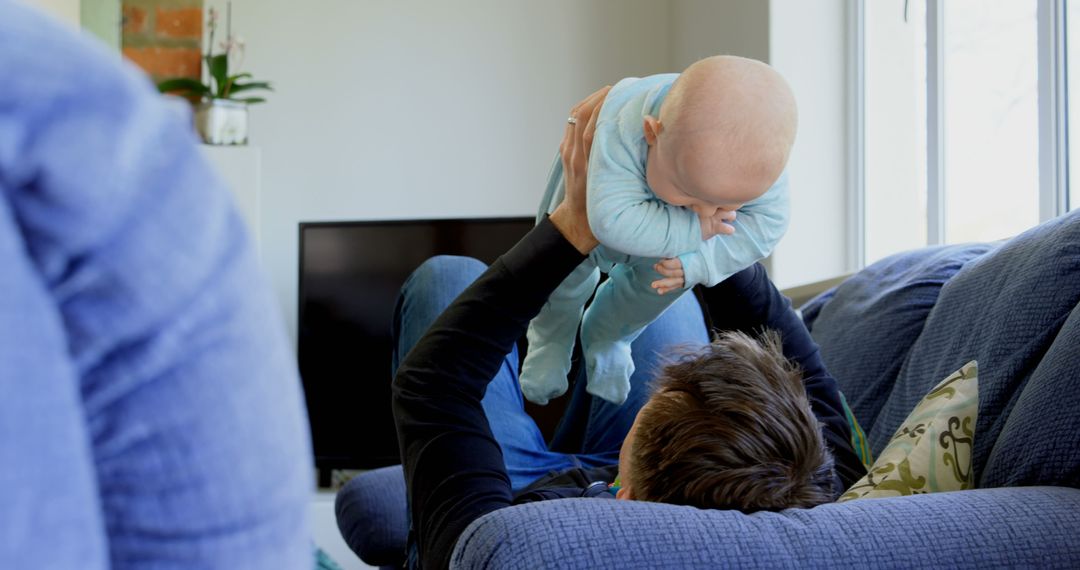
{"points": [[350, 275]]}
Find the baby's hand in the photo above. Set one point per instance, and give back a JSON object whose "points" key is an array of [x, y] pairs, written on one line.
{"points": [[719, 223], [671, 269]]}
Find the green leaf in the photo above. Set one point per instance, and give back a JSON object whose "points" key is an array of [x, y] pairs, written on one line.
{"points": [[219, 70], [238, 87], [183, 84], [229, 82], [251, 100]]}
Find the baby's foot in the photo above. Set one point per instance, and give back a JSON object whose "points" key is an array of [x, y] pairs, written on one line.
{"points": [[543, 373], [608, 368]]}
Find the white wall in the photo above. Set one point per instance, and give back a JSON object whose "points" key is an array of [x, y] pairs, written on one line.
{"points": [[807, 45], [701, 28], [390, 109]]}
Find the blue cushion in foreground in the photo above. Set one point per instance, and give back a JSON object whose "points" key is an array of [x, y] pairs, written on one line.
{"points": [[867, 325]]}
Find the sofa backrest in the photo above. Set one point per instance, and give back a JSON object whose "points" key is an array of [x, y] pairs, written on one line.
{"points": [[1005, 309], [1039, 442], [867, 325]]}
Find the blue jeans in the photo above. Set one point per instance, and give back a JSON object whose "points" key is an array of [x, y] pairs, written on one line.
{"points": [[595, 427]]}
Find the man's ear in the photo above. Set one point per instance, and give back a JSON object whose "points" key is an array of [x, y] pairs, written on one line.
{"points": [[653, 127], [625, 493]]}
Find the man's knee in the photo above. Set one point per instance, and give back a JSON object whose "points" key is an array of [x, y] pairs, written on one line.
{"points": [[443, 264], [435, 283], [445, 272]]}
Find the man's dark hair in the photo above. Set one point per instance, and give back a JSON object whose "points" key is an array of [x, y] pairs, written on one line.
{"points": [[730, 427]]}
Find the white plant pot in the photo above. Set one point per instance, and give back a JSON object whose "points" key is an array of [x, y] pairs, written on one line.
{"points": [[222, 122]]}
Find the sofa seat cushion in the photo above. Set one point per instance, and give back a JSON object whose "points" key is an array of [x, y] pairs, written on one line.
{"points": [[868, 323], [1004, 310]]}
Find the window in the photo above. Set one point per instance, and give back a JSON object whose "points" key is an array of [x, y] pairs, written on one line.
{"points": [[991, 119], [895, 135], [959, 130], [1072, 30]]}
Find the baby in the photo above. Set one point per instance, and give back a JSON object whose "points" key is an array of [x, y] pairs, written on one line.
{"points": [[674, 157]]}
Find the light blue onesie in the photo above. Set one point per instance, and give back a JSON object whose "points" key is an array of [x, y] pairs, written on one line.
{"points": [[636, 229]]}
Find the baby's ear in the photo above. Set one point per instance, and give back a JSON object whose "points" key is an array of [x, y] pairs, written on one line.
{"points": [[652, 126], [624, 493]]}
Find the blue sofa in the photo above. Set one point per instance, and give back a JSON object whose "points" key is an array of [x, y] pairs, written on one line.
{"points": [[888, 333]]}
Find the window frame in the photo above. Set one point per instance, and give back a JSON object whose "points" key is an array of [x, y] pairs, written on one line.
{"points": [[1053, 110], [856, 23], [1052, 122]]}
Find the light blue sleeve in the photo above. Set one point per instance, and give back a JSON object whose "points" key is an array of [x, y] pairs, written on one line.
{"points": [[758, 228], [623, 214]]}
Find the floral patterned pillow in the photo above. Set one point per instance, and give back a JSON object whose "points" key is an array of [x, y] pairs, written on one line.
{"points": [[931, 452]]}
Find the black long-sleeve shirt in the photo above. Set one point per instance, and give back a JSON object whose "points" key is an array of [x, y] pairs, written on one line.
{"points": [[454, 469]]}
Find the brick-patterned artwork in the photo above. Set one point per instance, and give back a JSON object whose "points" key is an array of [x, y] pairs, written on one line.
{"points": [[164, 37]]}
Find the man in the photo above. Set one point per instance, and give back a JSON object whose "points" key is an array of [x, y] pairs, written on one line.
{"points": [[725, 429]]}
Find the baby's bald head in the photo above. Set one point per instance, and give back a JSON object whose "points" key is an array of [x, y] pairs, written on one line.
{"points": [[728, 125]]}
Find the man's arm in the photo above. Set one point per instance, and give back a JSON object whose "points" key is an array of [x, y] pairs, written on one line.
{"points": [[454, 470], [453, 465], [748, 301]]}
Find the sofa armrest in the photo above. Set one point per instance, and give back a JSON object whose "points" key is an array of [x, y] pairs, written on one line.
{"points": [[1014, 527], [372, 517]]}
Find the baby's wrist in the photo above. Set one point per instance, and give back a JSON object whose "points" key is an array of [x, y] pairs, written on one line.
{"points": [[692, 263]]}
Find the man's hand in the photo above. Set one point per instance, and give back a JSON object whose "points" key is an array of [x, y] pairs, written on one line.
{"points": [[719, 223], [570, 216], [671, 269]]}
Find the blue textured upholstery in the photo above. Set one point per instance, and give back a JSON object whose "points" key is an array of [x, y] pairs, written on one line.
{"points": [[889, 333], [1022, 527], [1040, 441], [812, 308], [870, 321], [1004, 310], [372, 517]]}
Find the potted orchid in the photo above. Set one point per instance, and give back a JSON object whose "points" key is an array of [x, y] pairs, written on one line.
{"points": [[221, 104]]}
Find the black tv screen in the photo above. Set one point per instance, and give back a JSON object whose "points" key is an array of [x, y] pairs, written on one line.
{"points": [[350, 276]]}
